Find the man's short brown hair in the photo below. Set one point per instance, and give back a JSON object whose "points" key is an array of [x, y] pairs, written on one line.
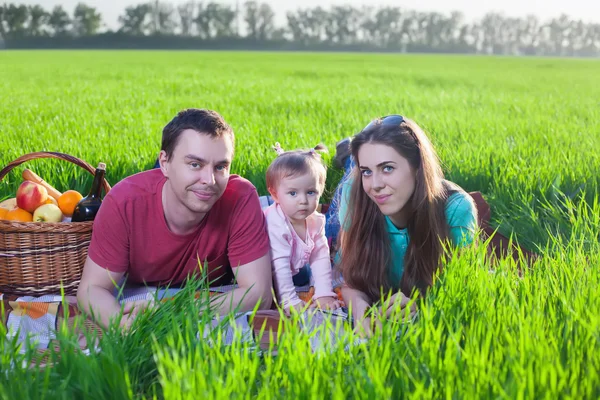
{"points": [[203, 121]]}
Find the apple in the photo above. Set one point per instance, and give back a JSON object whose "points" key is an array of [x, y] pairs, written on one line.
{"points": [[30, 196], [47, 213], [9, 204]]}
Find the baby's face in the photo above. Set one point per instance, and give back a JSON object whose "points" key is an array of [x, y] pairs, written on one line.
{"points": [[298, 196]]}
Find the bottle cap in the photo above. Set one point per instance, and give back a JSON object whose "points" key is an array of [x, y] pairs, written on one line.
{"points": [[101, 166]]}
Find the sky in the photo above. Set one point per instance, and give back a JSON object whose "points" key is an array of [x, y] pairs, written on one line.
{"points": [[586, 10]]}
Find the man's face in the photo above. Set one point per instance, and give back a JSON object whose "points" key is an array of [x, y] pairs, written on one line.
{"points": [[198, 171]]}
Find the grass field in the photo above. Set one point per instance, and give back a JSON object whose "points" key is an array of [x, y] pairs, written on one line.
{"points": [[524, 132]]}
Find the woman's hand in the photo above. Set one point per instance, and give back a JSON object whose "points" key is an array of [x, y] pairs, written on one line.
{"points": [[367, 326], [326, 303], [358, 303], [398, 300], [370, 324]]}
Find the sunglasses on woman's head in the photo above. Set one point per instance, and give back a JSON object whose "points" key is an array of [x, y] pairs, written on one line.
{"points": [[393, 119]]}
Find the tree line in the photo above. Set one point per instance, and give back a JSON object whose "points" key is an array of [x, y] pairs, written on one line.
{"points": [[252, 24]]}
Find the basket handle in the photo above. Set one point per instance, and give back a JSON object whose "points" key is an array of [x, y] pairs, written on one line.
{"points": [[52, 154]]}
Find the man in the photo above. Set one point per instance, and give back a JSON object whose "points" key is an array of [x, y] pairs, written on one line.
{"points": [[155, 226]]}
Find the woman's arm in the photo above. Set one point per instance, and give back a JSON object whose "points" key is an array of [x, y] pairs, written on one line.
{"points": [[461, 214], [358, 302]]}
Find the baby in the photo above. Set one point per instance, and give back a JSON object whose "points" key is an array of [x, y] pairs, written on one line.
{"points": [[299, 249]]}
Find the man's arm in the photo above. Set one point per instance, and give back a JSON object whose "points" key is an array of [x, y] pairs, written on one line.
{"points": [[249, 256], [95, 292], [254, 286], [106, 264]]}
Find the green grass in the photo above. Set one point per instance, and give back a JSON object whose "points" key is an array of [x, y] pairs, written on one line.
{"points": [[524, 132]]}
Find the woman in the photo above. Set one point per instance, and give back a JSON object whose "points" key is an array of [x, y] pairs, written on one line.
{"points": [[397, 214]]}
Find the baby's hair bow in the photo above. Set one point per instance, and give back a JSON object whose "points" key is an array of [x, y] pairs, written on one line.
{"points": [[278, 149], [315, 150]]}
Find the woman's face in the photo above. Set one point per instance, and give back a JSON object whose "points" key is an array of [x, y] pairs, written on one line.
{"points": [[388, 179]]}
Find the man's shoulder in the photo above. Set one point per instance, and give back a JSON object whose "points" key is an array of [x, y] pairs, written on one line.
{"points": [[237, 189], [137, 186], [238, 201], [238, 184]]}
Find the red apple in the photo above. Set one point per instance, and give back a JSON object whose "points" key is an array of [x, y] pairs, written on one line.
{"points": [[30, 196], [47, 213]]}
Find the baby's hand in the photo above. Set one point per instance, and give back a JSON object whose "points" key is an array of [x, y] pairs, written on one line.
{"points": [[297, 308], [326, 303]]}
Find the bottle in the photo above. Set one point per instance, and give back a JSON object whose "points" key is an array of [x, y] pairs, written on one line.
{"points": [[88, 207]]}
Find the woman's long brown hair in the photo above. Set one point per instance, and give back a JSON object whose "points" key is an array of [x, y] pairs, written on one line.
{"points": [[365, 245]]}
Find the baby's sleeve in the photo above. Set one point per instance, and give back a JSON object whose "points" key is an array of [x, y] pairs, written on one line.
{"points": [[281, 250]]}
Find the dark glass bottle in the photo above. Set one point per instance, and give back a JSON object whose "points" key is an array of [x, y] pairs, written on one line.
{"points": [[88, 207]]}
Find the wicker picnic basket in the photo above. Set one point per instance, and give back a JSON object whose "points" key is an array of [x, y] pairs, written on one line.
{"points": [[38, 258]]}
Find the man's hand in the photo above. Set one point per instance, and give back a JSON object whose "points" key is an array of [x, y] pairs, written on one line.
{"points": [[95, 294], [132, 309], [254, 285], [326, 303]]}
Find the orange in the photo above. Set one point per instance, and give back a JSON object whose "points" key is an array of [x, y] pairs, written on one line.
{"points": [[51, 200], [18, 214], [3, 212], [68, 200]]}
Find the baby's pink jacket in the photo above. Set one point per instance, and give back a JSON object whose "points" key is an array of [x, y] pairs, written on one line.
{"points": [[289, 254]]}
